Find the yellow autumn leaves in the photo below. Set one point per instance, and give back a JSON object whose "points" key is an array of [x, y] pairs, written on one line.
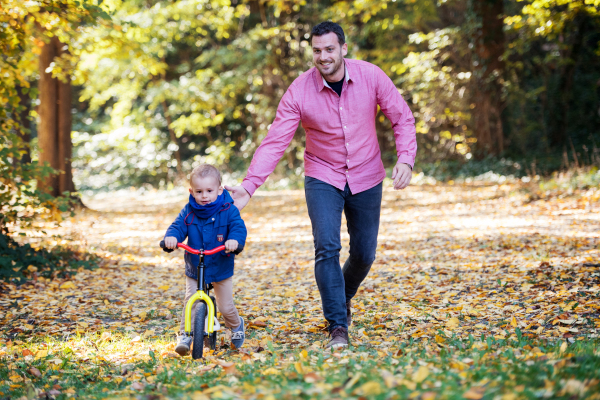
{"points": [[438, 276]]}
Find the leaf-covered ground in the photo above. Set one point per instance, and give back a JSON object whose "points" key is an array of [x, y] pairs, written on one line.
{"points": [[478, 291]]}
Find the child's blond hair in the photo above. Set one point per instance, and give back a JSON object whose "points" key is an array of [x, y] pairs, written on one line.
{"points": [[204, 170]]}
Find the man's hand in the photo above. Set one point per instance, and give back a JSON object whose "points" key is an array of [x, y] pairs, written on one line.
{"points": [[240, 196], [171, 242], [402, 174], [231, 245]]}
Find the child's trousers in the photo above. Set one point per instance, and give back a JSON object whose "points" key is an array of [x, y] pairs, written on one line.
{"points": [[223, 295]]}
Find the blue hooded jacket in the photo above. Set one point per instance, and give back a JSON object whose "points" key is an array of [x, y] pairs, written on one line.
{"points": [[223, 225]]}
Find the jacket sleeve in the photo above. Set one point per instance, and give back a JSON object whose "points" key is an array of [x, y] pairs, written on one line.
{"points": [[237, 227], [178, 228]]}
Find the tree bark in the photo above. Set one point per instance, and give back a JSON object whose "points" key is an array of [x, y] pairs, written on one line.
{"points": [[47, 110], [489, 70], [54, 130]]}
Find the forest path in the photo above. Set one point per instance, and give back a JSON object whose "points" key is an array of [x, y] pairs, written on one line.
{"points": [[454, 262]]}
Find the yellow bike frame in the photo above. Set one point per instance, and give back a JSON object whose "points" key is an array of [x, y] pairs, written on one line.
{"points": [[199, 295]]}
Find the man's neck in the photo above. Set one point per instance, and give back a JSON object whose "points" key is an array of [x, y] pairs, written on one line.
{"points": [[336, 81]]}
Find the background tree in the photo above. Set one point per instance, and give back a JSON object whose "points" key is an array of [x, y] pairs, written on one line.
{"points": [[190, 81], [488, 73], [21, 29], [57, 23], [54, 130]]}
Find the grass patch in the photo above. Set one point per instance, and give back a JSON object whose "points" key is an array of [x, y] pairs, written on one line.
{"points": [[117, 365], [21, 262], [574, 179]]}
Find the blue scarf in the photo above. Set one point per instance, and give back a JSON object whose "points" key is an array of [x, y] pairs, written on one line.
{"points": [[211, 208]]}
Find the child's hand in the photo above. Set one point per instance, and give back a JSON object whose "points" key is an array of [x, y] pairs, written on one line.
{"points": [[231, 245], [170, 242]]}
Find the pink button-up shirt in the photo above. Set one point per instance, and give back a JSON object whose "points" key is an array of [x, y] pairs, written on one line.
{"points": [[341, 141]]}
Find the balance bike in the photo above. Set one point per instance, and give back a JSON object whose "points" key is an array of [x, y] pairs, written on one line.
{"points": [[206, 323]]}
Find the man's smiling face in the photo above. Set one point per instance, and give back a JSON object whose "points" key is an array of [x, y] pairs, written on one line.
{"points": [[328, 56]]}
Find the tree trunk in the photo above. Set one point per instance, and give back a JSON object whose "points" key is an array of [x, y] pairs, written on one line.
{"points": [[489, 70], [54, 130], [47, 110], [64, 135]]}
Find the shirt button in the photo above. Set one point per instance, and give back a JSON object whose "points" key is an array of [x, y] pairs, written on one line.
{"points": [[340, 108], [347, 144], [345, 127], [347, 161]]}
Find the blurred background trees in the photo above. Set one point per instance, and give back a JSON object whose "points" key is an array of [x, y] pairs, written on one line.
{"points": [[35, 106], [158, 86]]}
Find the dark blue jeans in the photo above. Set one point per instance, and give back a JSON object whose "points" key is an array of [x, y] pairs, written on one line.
{"points": [[325, 205]]}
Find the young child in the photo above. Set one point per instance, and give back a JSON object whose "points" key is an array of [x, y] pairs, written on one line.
{"points": [[209, 220]]}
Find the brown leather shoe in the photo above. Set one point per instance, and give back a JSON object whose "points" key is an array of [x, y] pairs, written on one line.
{"points": [[339, 338], [349, 312]]}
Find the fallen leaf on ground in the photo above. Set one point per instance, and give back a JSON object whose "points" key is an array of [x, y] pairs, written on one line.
{"points": [[421, 374], [474, 393]]}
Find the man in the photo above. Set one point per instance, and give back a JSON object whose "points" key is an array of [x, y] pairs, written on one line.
{"points": [[337, 104]]}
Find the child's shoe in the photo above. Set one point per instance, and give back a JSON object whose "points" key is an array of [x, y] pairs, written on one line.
{"points": [[184, 342], [238, 335]]}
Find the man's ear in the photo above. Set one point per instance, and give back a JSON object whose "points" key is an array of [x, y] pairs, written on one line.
{"points": [[344, 49]]}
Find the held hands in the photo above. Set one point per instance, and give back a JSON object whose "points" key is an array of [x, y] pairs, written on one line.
{"points": [[171, 242], [231, 245], [240, 196], [402, 174]]}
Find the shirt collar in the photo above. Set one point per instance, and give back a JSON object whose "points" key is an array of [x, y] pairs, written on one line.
{"points": [[323, 83]]}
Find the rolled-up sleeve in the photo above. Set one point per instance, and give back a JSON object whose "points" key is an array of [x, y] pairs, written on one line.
{"points": [[271, 149], [396, 110]]}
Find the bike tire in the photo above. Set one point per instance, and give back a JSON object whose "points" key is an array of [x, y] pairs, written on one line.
{"points": [[212, 338], [198, 346]]}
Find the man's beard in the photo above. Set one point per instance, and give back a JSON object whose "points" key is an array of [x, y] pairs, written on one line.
{"points": [[336, 67]]}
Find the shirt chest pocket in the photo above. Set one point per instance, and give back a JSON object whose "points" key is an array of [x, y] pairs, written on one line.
{"points": [[219, 234]]}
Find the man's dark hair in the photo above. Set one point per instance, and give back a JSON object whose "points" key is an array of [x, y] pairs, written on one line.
{"points": [[327, 27]]}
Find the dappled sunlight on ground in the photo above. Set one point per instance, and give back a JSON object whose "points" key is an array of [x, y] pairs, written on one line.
{"points": [[425, 230], [454, 261]]}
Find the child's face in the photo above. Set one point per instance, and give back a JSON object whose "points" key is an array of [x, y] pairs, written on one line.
{"points": [[205, 189]]}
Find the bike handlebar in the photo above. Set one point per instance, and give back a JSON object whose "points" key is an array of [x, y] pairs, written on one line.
{"points": [[201, 251]]}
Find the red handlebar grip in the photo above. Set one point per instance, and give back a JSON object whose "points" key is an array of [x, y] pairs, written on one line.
{"points": [[215, 250], [188, 248], [205, 252]]}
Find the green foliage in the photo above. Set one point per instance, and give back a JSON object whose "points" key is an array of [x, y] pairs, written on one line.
{"points": [[24, 27], [123, 157], [20, 200], [552, 68], [19, 263], [489, 168], [572, 180], [166, 85]]}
